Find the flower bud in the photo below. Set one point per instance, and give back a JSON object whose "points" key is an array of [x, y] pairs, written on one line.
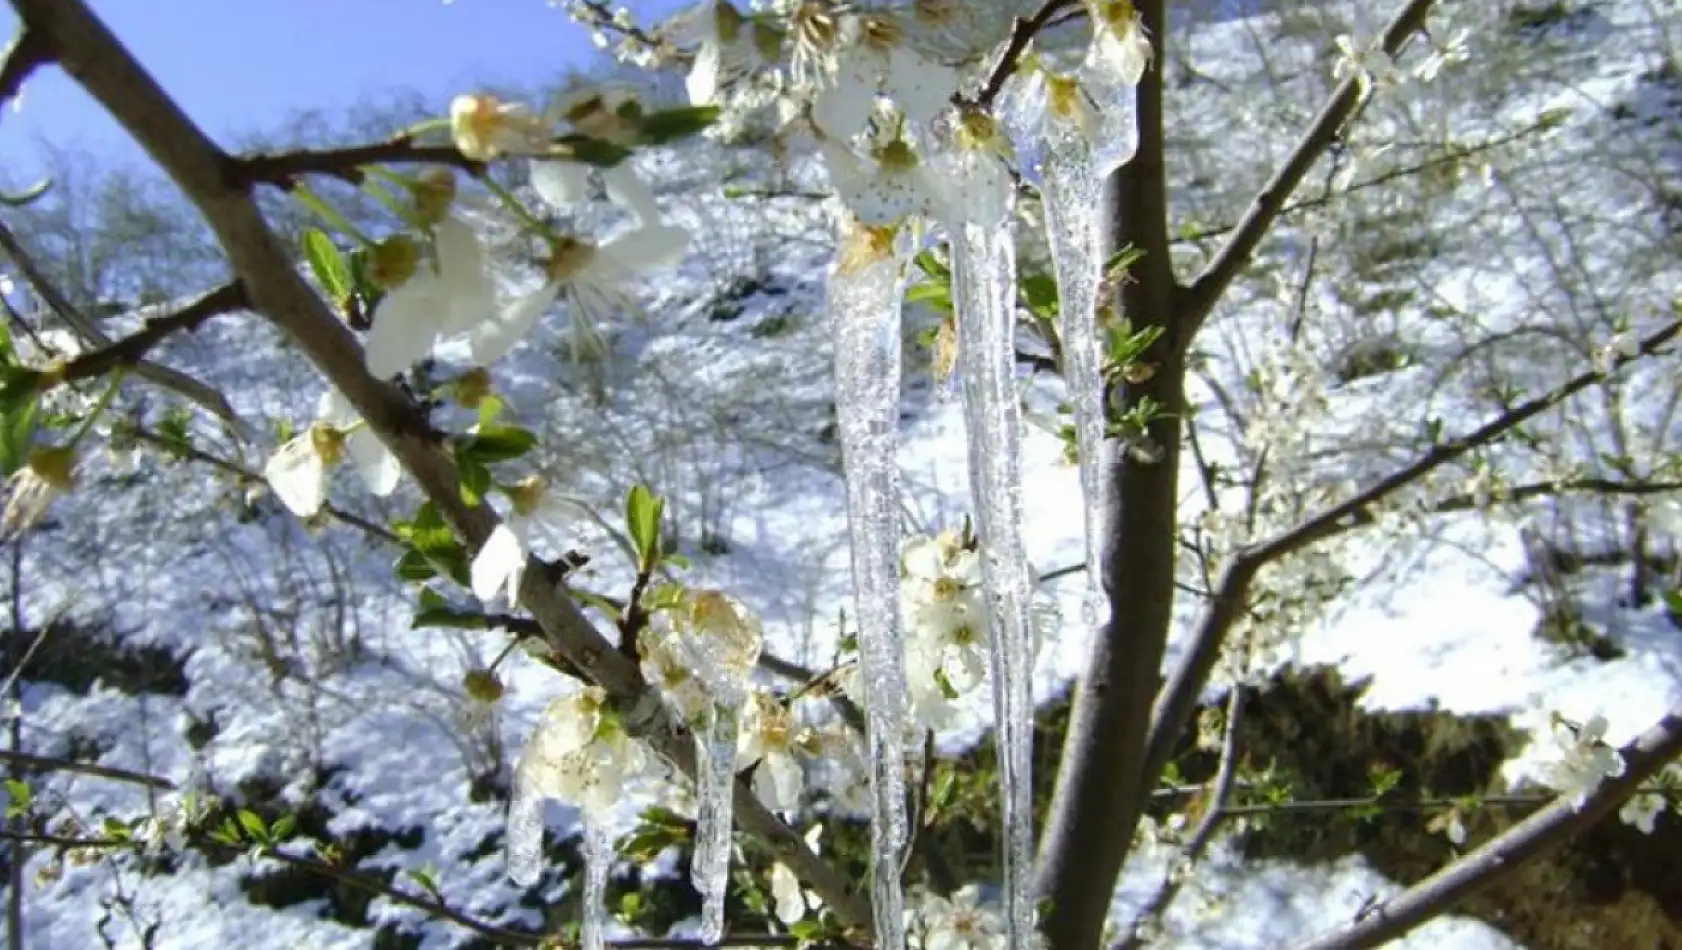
{"points": [[392, 261], [433, 191], [482, 685]]}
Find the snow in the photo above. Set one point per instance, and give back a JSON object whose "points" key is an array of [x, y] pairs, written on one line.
{"points": [[297, 640]]}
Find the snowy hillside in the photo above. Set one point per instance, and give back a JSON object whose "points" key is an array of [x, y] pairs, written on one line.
{"points": [[191, 629]]}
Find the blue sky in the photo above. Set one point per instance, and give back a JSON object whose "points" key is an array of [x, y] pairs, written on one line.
{"points": [[243, 65]]}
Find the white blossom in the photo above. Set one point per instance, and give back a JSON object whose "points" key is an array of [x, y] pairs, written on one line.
{"points": [[791, 901], [961, 922], [578, 754], [451, 295], [946, 615], [893, 184], [537, 512], [49, 474], [297, 472], [772, 739], [605, 113], [873, 55], [484, 127], [1583, 760], [593, 277]]}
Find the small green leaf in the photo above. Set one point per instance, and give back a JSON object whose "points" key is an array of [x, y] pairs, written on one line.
{"points": [[1673, 601], [283, 827], [414, 567], [495, 443], [426, 880], [1040, 290], [476, 480], [17, 436], [19, 797], [666, 125], [327, 264], [642, 519], [929, 263], [253, 826]]}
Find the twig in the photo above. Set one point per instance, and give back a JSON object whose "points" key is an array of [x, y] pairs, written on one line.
{"points": [[1022, 32], [281, 169], [173, 380], [131, 349], [1177, 702], [1503, 855], [1201, 296], [43, 763]]}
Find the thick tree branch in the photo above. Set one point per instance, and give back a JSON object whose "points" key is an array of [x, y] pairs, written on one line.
{"points": [[43, 763], [1098, 796], [1178, 702], [282, 169], [90, 330], [131, 349], [88, 51], [1504, 855], [22, 56], [1207, 289]]}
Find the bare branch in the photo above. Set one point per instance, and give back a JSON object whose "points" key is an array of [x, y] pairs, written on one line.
{"points": [[89, 329], [283, 168], [1547, 829], [1022, 32], [88, 51], [1177, 703], [43, 763], [130, 350], [1207, 289]]}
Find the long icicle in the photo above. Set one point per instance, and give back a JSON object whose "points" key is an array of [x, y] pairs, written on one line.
{"points": [[715, 783], [984, 292], [1072, 196], [598, 860], [863, 298]]}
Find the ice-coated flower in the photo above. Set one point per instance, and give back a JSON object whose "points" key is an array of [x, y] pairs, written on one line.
{"points": [[48, 474], [976, 172], [873, 55], [665, 663], [1584, 760], [893, 184], [944, 609], [484, 127], [593, 277], [1121, 46], [961, 922], [771, 738], [792, 902], [536, 512], [578, 754], [451, 293], [297, 472]]}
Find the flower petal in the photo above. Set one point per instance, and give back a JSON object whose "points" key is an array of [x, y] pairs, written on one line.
{"points": [[561, 184], [922, 87], [379, 469], [297, 476], [627, 189], [498, 563], [652, 247], [407, 323], [842, 110], [494, 338]]}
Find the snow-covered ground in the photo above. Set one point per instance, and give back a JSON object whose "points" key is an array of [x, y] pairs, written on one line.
{"points": [[303, 669]]}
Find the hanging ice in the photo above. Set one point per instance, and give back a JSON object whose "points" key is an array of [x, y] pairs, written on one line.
{"points": [[1072, 193], [721, 641], [598, 860], [984, 293], [862, 297]]}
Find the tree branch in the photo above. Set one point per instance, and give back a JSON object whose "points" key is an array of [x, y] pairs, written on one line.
{"points": [[1207, 289], [88, 51], [1022, 33], [23, 55], [1547, 829], [130, 350], [42, 763], [1178, 702], [1099, 797], [89, 330], [282, 168]]}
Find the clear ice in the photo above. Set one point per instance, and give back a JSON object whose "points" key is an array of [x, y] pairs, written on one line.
{"points": [[863, 299]]}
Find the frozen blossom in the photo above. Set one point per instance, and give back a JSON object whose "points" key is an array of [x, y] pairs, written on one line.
{"points": [[874, 54]]}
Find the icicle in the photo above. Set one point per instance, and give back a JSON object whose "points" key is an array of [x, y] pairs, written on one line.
{"points": [[598, 860], [1072, 196], [863, 298], [984, 293], [715, 769]]}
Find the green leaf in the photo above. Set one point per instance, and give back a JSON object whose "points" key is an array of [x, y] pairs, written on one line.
{"points": [[253, 826], [642, 519], [929, 263], [17, 436], [495, 443], [426, 880], [414, 567], [1040, 290], [283, 827], [28, 195], [476, 481], [1673, 601], [327, 264], [19, 797], [666, 125], [590, 151], [935, 293]]}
